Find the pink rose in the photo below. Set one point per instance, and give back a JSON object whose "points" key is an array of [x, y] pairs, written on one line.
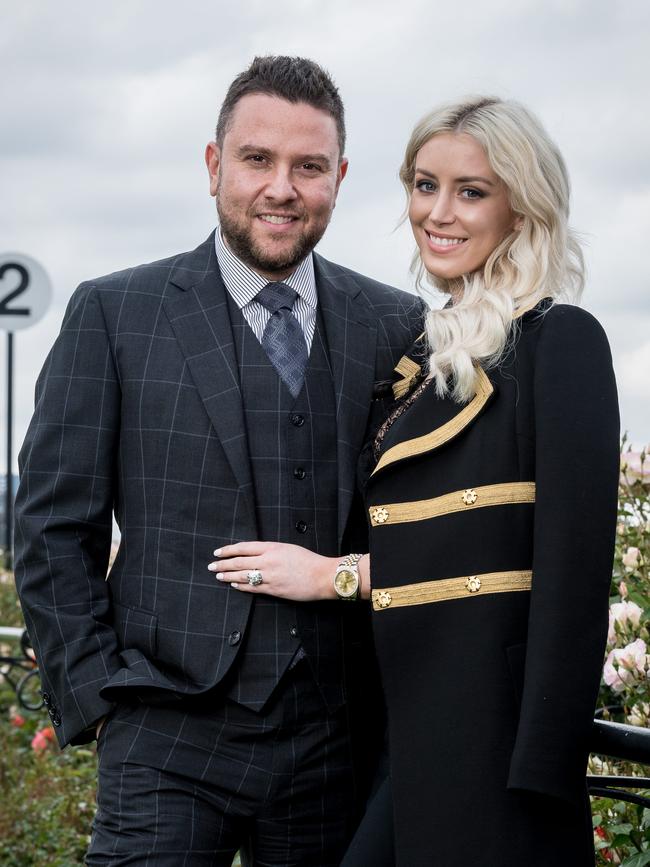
{"points": [[626, 614], [624, 666], [611, 630], [631, 559], [42, 739]]}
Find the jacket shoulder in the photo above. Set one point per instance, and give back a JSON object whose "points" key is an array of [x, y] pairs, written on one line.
{"points": [[563, 329], [562, 319], [147, 277]]}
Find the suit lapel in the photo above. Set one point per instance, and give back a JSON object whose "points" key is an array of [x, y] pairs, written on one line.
{"points": [[197, 308], [351, 340]]}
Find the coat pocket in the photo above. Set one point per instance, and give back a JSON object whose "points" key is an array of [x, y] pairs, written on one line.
{"points": [[136, 629]]}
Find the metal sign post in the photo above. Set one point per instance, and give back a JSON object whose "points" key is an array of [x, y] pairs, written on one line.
{"points": [[25, 295]]}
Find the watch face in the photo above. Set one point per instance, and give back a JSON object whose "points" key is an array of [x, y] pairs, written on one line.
{"points": [[346, 582]]}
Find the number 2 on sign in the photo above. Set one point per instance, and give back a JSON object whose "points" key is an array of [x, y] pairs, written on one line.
{"points": [[5, 309]]}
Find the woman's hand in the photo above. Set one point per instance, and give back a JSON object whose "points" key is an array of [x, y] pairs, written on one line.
{"points": [[288, 571]]}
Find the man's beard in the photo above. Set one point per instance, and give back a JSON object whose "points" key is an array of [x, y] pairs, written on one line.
{"points": [[239, 238]]}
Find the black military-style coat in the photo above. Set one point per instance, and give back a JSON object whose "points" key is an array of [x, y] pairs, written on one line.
{"points": [[492, 533]]}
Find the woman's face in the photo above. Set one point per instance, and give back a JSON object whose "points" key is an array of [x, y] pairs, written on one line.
{"points": [[459, 209]]}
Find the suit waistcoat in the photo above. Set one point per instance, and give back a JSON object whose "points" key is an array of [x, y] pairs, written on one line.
{"points": [[293, 456]]}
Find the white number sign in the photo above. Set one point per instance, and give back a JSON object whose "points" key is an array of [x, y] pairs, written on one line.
{"points": [[25, 291]]}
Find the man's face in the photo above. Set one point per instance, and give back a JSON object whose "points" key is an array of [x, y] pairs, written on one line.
{"points": [[275, 179]]}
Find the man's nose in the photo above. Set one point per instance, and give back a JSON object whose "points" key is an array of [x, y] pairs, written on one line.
{"points": [[280, 185]]}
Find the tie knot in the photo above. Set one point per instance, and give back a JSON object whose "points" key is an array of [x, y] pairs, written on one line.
{"points": [[277, 296]]}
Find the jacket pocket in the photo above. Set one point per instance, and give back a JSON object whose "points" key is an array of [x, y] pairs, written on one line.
{"points": [[136, 628]]}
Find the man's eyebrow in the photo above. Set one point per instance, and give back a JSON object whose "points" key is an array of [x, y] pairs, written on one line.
{"points": [[244, 150], [463, 180], [247, 149]]}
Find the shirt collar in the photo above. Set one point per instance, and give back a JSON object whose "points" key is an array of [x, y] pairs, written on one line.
{"points": [[243, 283]]}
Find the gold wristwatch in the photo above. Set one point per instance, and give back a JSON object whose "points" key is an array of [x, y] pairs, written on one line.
{"points": [[346, 578]]}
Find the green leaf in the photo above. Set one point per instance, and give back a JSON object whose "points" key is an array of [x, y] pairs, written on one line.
{"points": [[623, 828], [640, 860]]}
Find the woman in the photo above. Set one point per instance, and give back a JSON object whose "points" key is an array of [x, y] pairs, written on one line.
{"points": [[492, 509]]}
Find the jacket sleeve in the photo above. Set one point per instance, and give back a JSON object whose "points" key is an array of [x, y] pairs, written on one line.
{"points": [[64, 520], [576, 474]]}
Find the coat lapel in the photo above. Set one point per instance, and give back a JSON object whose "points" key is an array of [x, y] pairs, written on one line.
{"points": [[452, 427], [351, 340], [197, 308]]}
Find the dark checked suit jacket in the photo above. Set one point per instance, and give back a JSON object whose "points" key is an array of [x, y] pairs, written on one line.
{"points": [[139, 412]]}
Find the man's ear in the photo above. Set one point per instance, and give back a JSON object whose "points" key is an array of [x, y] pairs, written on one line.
{"points": [[213, 162], [342, 172]]}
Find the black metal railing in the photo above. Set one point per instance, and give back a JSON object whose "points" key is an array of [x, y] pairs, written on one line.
{"points": [[20, 671], [618, 741]]}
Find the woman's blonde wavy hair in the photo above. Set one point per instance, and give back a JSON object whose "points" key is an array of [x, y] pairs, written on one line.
{"points": [[540, 259]]}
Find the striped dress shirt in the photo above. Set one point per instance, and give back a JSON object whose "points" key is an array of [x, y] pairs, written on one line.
{"points": [[243, 284]]}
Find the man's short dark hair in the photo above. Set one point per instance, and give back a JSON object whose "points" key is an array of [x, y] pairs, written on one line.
{"points": [[295, 79]]}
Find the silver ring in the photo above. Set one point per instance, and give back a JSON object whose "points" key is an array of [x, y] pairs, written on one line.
{"points": [[254, 577]]}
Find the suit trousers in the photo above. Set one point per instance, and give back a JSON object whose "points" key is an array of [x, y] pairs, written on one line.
{"points": [[187, 786]]}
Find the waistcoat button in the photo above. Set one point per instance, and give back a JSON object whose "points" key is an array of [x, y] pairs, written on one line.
{"points": [[297, 420], [299, 473], [301, 526], [234, 638]]}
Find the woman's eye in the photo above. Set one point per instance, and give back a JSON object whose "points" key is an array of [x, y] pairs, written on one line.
{"points": [[471, 193], [425, 186]]}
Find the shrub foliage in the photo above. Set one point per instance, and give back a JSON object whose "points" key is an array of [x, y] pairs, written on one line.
{"points": [[48, 796]]}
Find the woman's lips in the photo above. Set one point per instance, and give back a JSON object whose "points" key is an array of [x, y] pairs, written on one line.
{"points": [[443, 244]]}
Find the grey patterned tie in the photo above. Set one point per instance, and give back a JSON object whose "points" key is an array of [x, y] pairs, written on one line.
{"points": [[283, 339]]}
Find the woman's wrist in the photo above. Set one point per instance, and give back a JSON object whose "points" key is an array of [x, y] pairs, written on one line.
{"points": [[359, 563], [327, 577]]}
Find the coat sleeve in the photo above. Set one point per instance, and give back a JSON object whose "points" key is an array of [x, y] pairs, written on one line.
{"points": [[576, 474], [64, 520]]}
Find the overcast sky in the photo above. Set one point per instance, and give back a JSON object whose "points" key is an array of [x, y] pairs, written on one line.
{"points": [[106, 110]]}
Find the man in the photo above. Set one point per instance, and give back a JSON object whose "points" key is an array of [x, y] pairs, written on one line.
{"points": [[218, 396]]}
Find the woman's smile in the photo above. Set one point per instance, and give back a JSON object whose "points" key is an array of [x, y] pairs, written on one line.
{"points": [[459, 209]]}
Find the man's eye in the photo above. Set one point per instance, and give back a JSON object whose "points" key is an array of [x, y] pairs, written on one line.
{"points": [[257, 158], [311, 167]]}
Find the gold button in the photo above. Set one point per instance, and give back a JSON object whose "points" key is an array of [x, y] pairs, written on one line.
{"points": [[469, 497], [383, 599], [473, 583], [380, 515]]}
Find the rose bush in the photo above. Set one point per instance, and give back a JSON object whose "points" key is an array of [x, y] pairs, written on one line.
{"points": [[622, 831], [48, 795]]}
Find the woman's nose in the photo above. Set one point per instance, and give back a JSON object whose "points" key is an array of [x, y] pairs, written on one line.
{"points": [[442, 210]]}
